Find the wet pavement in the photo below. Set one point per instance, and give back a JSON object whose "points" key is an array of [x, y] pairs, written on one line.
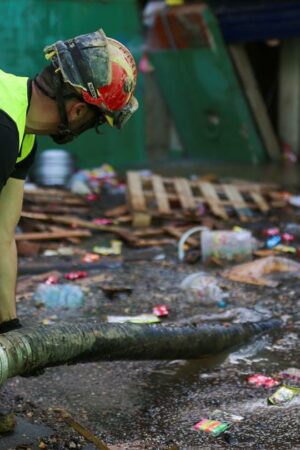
{"points": [[154, 405]]}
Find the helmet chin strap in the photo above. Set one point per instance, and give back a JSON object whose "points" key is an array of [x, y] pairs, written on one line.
{"points": [[65, 134]]}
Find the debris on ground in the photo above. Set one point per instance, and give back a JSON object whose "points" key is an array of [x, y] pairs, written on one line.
{"points": [[283, 394], [67, 239], [255, 272], [215, 427]]}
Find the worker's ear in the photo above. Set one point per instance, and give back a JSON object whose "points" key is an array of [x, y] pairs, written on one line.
{"points": [[77, 111]]}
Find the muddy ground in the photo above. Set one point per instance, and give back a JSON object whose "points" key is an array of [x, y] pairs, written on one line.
{"points": [[153, 405]]}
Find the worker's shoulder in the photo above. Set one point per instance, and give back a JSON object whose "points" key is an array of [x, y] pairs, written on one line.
{"points": [[9, 137], [7, 123]]}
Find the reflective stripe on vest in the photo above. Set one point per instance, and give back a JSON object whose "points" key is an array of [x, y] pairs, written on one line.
{"points": [[14, 102]]}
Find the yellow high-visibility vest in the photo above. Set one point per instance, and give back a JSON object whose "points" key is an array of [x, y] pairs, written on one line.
{"points": [[14, 102]]}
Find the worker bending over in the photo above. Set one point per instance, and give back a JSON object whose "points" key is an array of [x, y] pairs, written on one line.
{"points": [[90, 81]]}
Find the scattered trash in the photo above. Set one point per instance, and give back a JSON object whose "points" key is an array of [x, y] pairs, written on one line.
{"points": [[185, 237], [287, 237], [271, 232], [59, 296], [111, 291], [254, 272], [49, 320], [283, 395], [85, 182], [52, 279], [63, 251], [285, 249], [291, 373], [92, 197], [273, 241], [200, 286], [142, 318], [159, 257], [214, 427], [294, 200], [160, 310], [99, 221], [90, 258], [75, 275], [293, 228], [114, 249], [229, 246], [225, 416], [262, 380]]}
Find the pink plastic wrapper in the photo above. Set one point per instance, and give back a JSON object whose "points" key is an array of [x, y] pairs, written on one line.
{"points": [[287, 237], [262, 380], [75, 275], [92, 197], [271, 232], [160, 310], [90, 257], [99, 221], [51, 280]]}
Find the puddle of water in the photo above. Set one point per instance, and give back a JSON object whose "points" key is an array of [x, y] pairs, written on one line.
{"points": [[25, 433]]}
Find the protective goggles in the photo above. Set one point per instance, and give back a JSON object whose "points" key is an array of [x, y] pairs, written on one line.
{"points": [[119, 118]]}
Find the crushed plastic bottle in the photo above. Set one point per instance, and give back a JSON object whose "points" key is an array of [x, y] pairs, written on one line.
{"points": [[59, 296], [203, 287]]}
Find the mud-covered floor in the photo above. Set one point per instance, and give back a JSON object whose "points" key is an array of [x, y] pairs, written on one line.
{"points": [[153, 405]]}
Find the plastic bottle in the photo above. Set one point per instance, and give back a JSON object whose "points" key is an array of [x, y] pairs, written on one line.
{"points": [[230, 246], [204, 288], [59, 296]]}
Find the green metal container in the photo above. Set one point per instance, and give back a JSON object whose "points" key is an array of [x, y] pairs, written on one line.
{"points": [[197, 80]]}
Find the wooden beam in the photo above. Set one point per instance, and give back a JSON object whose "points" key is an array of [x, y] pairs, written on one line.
{"points": [[135, 192], [289, 95], [237, 201], [184, 193], [213, 200], [160, 195], [51, 235], [256, 102]]}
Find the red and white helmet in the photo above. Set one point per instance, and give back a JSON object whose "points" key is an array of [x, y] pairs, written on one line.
{"points": [[102, 69]]}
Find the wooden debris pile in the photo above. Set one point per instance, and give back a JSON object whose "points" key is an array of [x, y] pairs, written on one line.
{"points": [[180, 198], [158, 210]]}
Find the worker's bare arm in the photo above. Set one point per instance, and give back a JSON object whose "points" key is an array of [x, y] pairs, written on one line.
{"points": [[11, 199]]}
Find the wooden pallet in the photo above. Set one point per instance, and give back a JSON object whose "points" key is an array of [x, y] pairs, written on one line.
{"points": [[178, 197]]}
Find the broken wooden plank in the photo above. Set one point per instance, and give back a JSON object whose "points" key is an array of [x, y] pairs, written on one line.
{"points": [[135, 192], [237, 202], [212, 199], [149, 232], [73, 240], [123, 233], [184, 193], [141, 219], [160, 195], [154, 242], [260, 201], [117, 211], [52, 235]]}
